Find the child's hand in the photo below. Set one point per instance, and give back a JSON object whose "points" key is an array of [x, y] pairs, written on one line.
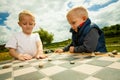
{"points": [[27, 56], [58, 51], [20, 57], [71, 49], [41, 56], [24, 57]]}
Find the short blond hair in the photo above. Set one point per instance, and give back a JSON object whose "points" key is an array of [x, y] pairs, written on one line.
{"points": [[25, 12], [79, 11]]}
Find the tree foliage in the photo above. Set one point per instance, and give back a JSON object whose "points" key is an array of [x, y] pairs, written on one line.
{"points": [[112, 31], [46, 37]]}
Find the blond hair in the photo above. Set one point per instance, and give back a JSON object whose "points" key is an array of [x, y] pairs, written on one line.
{"points": [[26, 12], [79, 11]]}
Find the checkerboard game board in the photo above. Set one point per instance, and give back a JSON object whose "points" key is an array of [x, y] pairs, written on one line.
{"points": [[58, 67]]}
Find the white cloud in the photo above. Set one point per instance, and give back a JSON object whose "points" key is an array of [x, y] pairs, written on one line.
{"points": [[50, 14], [3, 32], [109, 15]]}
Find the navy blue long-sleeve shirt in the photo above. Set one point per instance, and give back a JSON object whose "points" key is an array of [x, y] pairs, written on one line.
{"points": [[91, 42]]}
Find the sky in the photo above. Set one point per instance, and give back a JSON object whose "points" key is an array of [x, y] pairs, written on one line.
{"points": [[51, 15]]}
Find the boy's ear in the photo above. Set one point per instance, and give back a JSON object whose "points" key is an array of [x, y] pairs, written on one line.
{"points": [[19, 24]]}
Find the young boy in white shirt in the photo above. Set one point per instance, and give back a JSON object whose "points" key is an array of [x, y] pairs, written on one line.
{"points": [[25, 45]]}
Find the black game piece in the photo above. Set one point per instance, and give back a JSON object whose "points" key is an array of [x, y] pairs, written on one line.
{"points": [[21, 66], [6, 66]]}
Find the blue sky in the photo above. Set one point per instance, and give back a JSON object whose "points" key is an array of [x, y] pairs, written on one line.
{"points": [[96, 7], [3, 17], [51, 15]]}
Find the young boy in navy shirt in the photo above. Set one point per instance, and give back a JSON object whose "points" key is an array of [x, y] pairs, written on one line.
{"points": [[86, 36]]}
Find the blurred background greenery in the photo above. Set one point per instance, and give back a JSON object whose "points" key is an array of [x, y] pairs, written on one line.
{"points": [[112, 37]]}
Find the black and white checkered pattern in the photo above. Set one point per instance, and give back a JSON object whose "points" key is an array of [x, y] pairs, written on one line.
{"points": [[59, 68]]}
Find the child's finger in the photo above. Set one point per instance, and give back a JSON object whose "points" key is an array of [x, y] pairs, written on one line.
{"points": [[21, 58], [43, 56], [38, 56], [27, 57]]}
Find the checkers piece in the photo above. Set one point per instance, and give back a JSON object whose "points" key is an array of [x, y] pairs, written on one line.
{"points": [[49, 59], [110, 54], [41, 65], [6, 66], [114, 52], [72, 62], [97, 53], [21, 66]]}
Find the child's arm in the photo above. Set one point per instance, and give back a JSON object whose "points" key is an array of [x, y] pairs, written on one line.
{"points": [[40, 53], [13, 53], [22, 57], [66, 48], [90, 42]]}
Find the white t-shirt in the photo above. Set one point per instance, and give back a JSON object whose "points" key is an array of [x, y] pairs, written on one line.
{"points": [[24, 43]]}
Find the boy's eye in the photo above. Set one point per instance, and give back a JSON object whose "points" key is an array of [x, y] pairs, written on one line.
{"points": [[31, 24], [24, 23]]}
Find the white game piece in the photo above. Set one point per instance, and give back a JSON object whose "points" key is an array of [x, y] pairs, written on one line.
{"points": [[72, 62], [114, 52], [110, 54], [41, 65], [49, 59], [97, 53]]}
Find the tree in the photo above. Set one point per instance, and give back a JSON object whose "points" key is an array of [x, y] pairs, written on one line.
{"points": [[112, 31], [46, 37]]}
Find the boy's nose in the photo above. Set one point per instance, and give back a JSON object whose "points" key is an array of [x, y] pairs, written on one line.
{"points": [[28, 25], [73, 26]]}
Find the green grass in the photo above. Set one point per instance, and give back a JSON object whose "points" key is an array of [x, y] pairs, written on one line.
{"points": [[111, 48], [5, 56], [57, 44], [114, 40], [111, 44]]}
